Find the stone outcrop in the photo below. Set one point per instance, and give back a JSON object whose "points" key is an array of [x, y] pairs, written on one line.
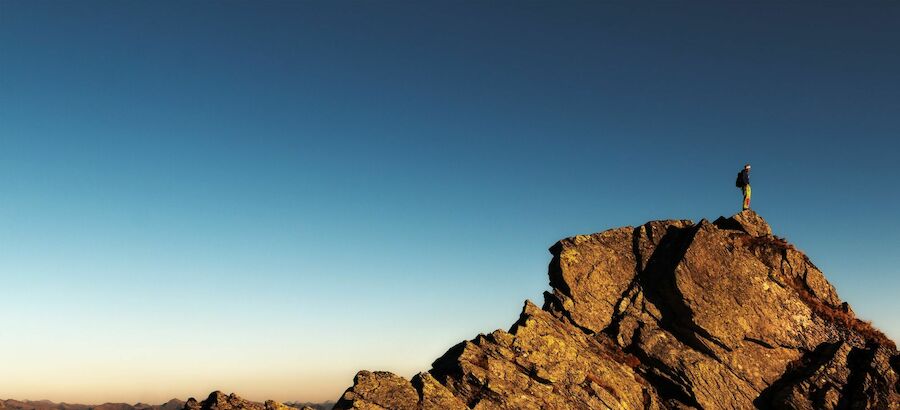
{"points": [[667, 315], [220, 401]]}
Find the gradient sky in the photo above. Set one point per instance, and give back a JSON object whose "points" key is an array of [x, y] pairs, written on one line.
{"points": [[265, 197]]}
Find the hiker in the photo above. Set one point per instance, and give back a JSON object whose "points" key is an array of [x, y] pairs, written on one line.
{"points": [[743, 182]]}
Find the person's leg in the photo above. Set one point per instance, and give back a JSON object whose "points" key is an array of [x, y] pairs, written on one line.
{"points": [[747, 193]]}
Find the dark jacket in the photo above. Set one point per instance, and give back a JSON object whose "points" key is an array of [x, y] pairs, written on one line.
{"points": [[745, 177]]}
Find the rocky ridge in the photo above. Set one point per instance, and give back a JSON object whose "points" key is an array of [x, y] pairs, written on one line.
{"points": [[667, 315], [221, 401]]}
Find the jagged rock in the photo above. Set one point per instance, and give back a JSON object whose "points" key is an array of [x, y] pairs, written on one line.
{"points": [[668, 315], [516, 370], [587, 289], [220, 401], [376, 390], [747, 221], [835, 375], [539, 358], [434, 395]]}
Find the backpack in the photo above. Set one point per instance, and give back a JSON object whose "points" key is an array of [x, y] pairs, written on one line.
{"points": [[740, 180]]}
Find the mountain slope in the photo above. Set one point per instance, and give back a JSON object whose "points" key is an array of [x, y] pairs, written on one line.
{"points": [[667, 315]]}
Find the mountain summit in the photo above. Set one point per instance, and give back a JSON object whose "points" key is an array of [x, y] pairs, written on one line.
{"points": [[667, 315]]}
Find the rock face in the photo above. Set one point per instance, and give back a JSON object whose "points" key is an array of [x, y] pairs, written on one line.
{"points": [[667, 315]]}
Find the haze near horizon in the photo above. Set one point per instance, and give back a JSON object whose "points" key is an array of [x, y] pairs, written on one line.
{"points": [[266, 197]]}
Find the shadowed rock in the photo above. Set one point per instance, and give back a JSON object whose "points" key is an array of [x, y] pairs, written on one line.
{"points": [[667, 315], [747, 221]]}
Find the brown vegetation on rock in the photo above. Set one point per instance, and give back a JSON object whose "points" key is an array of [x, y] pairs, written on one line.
{"points": [[843, 318]]}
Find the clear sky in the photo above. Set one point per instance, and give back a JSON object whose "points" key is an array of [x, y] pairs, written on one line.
{"points": [[265, 197]]}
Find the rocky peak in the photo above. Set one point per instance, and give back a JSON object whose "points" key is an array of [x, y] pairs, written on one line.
{"points": [[746, 221], [667, 315]]}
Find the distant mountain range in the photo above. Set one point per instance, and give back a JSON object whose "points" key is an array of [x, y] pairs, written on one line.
{"points": [[174, 404]]}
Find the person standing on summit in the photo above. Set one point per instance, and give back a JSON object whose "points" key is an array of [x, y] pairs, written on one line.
{"points": [[743, 182]]}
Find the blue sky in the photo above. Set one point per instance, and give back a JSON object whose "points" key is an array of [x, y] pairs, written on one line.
{"points": [[264, 197]]}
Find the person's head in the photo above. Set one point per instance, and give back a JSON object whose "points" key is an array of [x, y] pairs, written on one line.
{"points": [[747, 167]]}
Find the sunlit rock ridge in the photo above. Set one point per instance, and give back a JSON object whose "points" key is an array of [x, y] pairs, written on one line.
{"points": [[667, 315]]}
